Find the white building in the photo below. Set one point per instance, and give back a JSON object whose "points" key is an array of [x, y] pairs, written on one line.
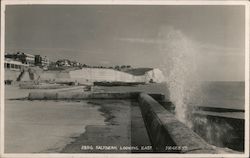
{"points": [[30, 59], [14, 65]]}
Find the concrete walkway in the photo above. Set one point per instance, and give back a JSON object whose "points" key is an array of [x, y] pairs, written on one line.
{"points": [[124, 131]]}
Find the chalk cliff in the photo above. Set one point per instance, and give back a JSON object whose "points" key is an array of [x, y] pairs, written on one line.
{"points": [[93, 74]]}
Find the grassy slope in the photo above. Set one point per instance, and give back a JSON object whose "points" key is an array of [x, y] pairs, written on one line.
{"points": [[138, 71]]}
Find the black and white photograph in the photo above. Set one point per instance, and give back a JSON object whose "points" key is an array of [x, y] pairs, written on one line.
{"points": [[137, 79]]}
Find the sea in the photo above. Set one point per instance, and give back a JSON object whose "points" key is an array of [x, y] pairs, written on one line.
{"points": [[222, 122], [222, 94]]}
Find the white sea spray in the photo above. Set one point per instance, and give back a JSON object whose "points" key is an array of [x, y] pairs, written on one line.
{"points": [[180, 67]]}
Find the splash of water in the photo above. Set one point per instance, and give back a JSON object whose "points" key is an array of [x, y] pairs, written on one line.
{"points": [[179, 65], [218, 132]]}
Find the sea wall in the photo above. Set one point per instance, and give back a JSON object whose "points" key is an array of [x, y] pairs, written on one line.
{"points": [[79, 95], [65, 95], [166, 133]]}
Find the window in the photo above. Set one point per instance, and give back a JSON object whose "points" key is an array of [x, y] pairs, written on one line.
{"points": [[8, 65]]}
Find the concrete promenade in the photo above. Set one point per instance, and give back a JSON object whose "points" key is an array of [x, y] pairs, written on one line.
{"points": [[134, 122]]}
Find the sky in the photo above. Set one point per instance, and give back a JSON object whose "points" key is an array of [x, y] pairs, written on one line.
{"points": [[130, 35]]}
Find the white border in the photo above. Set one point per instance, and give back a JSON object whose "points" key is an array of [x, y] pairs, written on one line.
{"points": [[129, 2], [247, 44], [2, 79], [126, 2]]}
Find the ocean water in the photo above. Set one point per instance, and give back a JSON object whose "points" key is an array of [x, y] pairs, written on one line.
{"points": [[224, 127], [221, 94]]}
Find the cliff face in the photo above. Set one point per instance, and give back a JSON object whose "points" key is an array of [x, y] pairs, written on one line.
{"points": [[94, 74], [54, 75], [155, 75], [90, 75]]}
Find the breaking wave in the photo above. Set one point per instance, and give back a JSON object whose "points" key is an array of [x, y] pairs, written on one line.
{"points": [[186, 91], [180, 68]]}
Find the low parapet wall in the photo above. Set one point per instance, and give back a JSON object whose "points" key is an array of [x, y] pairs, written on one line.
{"points": [[79, 95], [61, 95], [166, 133]]}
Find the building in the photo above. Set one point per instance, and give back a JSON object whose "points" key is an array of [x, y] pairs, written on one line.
{"points": [[41, 61], [63, 63], [24, 58], [14, 65], [30, 59], [38, 60], [45, 61]]}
